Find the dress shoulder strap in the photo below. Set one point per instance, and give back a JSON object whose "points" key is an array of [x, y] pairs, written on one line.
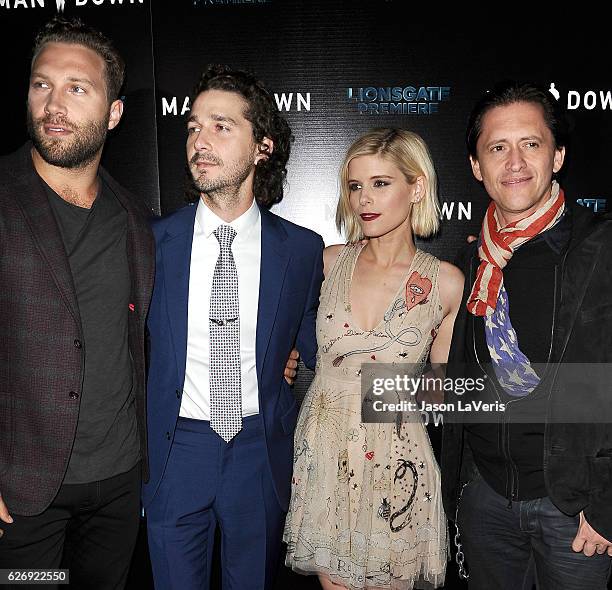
{"points": [[340, 271]]}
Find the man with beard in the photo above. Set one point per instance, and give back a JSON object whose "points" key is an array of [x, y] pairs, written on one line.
{"points": [[76, 269], [236, 288]]}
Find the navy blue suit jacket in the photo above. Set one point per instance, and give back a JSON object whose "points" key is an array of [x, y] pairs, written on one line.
{"points": [[290, 281]]}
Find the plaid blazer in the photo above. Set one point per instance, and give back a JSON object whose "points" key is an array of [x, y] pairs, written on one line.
{"points": [[41, 362]]}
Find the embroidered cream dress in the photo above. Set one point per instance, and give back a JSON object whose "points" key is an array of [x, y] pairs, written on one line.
{"points": [[366, 506]]}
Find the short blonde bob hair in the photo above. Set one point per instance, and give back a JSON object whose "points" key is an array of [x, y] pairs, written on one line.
{"points": [[410, 154]]}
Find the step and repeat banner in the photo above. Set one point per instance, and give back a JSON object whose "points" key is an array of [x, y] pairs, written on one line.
{"points": [[336, 68]]}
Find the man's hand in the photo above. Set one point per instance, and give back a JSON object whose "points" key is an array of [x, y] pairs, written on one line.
{"points": [[4, 514], [471, 239], [291, 366], [589, 541]]}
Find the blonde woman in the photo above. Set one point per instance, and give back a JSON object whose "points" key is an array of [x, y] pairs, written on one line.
{"points": [[366, 510]]}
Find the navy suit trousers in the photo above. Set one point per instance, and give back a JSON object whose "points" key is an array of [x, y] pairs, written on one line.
{"points": [[210, 483]]}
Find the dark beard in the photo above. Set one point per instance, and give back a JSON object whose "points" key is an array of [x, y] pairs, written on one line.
{"points": [[225, 188], [74, 152]]}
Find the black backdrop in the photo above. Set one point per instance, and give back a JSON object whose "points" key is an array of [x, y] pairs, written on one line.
{"points": [[318, 57]]}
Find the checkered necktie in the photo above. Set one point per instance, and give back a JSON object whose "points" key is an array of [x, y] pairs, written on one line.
{"points": [[225, 386]]}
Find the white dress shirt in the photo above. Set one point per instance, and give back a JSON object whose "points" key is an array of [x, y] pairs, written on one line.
{"points": [[246, 249]]}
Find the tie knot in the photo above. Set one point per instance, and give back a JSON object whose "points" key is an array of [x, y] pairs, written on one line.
{"points": [[225, 234]]}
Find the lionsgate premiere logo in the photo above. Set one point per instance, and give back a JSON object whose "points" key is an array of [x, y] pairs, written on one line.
{"points": [[588, 100], [595, 204], [61, 4], [399, 100], [285, 101]]}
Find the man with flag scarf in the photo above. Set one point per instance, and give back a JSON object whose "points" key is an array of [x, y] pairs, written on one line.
{"points": [[530, 488]]}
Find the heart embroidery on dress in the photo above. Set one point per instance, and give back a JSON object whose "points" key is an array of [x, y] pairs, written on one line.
{"points": [[417, 290]]}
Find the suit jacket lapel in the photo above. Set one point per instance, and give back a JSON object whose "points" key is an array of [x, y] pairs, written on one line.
{"points": [[274, 262], [34, 203], [141, 249], [176, 260]]}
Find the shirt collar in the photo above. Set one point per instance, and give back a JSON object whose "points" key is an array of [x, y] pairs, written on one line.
{"points": [[207, 221]]}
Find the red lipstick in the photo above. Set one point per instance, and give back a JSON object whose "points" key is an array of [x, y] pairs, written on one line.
{"points": [[369, 216]]}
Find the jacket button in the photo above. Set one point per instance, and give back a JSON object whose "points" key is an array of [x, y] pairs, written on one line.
{"points": [[77, 343], [168, 435], [73, 395], [178, 393]]}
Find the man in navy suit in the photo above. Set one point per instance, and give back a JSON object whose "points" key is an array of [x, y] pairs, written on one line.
{"points": [[236, 289]]}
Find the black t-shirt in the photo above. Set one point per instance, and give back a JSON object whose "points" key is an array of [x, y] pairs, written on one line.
{"points": [[106, 441]]}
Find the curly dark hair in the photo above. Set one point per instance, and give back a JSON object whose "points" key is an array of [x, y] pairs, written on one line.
{"points": [[510, 92], [74, 31], [262, 113]]}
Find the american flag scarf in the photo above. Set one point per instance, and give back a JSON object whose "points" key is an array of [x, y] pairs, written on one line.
{"points": [[512, 368], [496, 246]]}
